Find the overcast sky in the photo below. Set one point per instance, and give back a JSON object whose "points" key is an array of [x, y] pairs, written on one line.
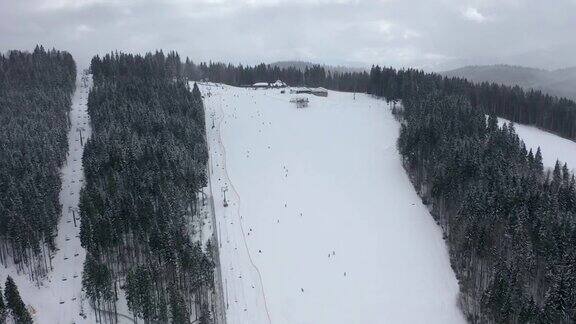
{"points": [[434, 34]]}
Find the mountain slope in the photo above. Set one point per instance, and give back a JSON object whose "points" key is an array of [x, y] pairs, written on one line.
{"points": [[302, 65], [322, 223], [553, 146], [560, 82], [60, 299]]}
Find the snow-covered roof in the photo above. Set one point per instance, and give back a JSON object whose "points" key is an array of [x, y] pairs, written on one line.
{"points": [[279, 83], [260, 84]]}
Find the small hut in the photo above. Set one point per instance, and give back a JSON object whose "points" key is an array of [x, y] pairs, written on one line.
{"points": [[278, 84], [321, 92]]}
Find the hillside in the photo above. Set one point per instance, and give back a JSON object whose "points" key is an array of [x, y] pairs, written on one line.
{"points": [[561, 82], [322, 223], [60, 299], [553, 146], [302, 65]]}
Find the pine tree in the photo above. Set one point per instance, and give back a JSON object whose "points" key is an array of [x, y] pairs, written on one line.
{"points": [[3, 310], [35, 96], [178, 308], [140, 293], [538, 161], [531, 158], [15, 303], [145, 164], [97, 281], [205, 316], [492, 123], [565, 174], [503, 218], [556, 175]]}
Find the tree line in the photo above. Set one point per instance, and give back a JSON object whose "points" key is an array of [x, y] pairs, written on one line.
{"points": [[508, 223], [240, 75], [35, 99], [145, 166], [314, 76], [529, 107]]}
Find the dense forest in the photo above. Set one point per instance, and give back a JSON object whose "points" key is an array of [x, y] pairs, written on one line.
{"points": [[35, 98], [509, 224], [315, 76], [237, 75], [532, 107], [145, 166]]}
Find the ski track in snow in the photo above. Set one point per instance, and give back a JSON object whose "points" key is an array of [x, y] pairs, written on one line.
{"points": [[239, 201], [553, 147], [330, 229], [234, 268], [58, 300], [285, 246]]}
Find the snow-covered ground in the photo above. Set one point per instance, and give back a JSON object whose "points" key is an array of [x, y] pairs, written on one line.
{"points": [[59, 300], [322, 224], [553, 147]]}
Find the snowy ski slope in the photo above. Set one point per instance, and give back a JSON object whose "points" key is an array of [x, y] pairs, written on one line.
{"points": [[59, 299], [322, 224], [553, 147]]}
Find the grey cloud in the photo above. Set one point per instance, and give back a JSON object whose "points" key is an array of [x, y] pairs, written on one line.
{"points": [[423, 33]]}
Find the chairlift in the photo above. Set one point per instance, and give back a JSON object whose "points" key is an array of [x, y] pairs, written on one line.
{"points": [[225, 202]]}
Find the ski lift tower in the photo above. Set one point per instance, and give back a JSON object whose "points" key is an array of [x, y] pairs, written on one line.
{"points": [[73, 211], [79, 130], [224, 189]]}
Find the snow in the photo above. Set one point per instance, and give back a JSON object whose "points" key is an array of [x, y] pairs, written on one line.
{"points": [[278, 84], [203, 227], [553, 147], [59, 298], [322, 224]]}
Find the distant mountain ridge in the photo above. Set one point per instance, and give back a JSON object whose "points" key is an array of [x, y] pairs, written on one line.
{"points": [[302, 65], [561, 82]]}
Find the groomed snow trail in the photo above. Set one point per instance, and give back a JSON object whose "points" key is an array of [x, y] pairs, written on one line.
{"points": [[59, 299], [243, 290], [553, 147], [322, 224]]}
